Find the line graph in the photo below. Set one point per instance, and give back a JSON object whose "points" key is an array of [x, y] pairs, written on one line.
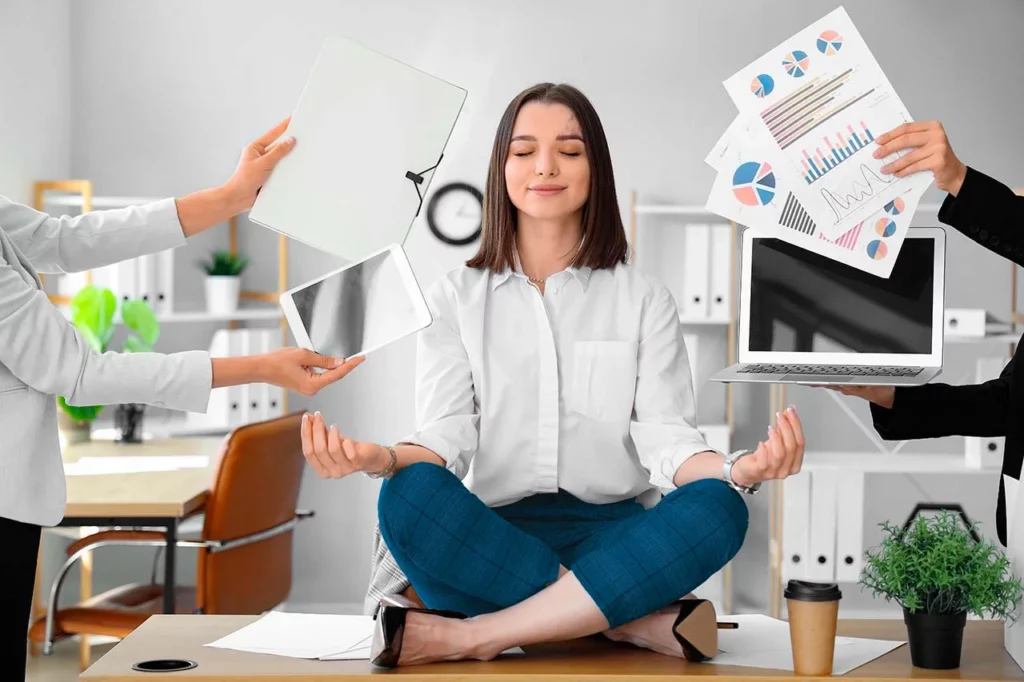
{"points": [[846, 201]]}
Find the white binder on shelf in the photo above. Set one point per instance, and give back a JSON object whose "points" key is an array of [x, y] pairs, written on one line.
{"points": [[692, 343], [850, 527], [146, 279], [236, 411], [822, 546], [218, 411], [717, 437], [694, 304], [164, 304], [719, 299], [124, 280], [273, 395], [796, 528], [985, 452]]}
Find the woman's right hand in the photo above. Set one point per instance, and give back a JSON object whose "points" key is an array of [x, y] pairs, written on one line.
{"points": [[883, 396], [334, 456], [295, 369]]}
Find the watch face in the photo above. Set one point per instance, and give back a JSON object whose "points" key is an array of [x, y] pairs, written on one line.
{"points": [[455, 214]]}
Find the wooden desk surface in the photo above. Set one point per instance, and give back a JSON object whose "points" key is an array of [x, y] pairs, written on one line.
{"points": [[143, 494], [593, 659]]}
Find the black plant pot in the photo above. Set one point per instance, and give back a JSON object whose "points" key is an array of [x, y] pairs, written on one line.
{"points": [[128, 422], [935, 639]]}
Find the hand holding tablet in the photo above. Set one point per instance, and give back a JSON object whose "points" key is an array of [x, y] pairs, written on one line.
{"points": [[357, 308]]}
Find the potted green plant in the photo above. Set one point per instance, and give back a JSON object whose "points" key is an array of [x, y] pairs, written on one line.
{"points": [[223, 281], [939, 570], [92, 313]]}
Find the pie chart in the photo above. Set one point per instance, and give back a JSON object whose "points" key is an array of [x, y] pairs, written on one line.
{"points": [[895, 207], [877, 250], [753, 183], [829, 43], [763, 85], [885, 227], [796, 63]]}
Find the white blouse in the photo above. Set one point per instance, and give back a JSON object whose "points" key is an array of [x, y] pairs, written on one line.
{"points": [[584, 388]]}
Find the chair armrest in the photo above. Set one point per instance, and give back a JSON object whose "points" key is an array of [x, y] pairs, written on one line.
{"points": [[114, 536]]}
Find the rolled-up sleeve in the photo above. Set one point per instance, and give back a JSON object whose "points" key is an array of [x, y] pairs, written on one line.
{"points": [[664, 428], [447, 417]]}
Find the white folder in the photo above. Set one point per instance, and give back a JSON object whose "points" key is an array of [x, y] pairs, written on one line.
{"points": [[251, 343], [236, 411], [694, 305], [692, 344], [369, 132], [165, 282], [146, 279], [822, 546], [985, 452], [850, 527], [123, 280], [719, 300], [273, 395], [218, 411], [796, 525]]}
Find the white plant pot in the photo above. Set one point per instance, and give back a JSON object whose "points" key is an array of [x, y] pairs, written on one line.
{"points": [[222, 294]]}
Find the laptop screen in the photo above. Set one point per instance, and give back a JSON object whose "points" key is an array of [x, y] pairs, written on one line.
{"points": [[802, 302]]}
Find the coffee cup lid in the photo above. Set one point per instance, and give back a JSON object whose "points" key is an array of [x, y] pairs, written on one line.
{"points": [[802, 590]]}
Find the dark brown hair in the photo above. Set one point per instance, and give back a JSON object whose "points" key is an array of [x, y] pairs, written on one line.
{"points": [[605, 244]]}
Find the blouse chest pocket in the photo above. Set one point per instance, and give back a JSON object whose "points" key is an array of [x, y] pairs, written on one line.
{"points": [[603, 380]]}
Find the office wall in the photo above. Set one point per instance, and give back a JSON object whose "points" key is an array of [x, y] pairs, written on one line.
{"points": [[35, 98], [166, 93]]}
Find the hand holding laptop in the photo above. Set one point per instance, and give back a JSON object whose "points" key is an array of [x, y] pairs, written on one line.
{"points": [[883, 396]]}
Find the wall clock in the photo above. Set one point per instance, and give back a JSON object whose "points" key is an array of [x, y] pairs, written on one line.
{"points": [[455, 213]]}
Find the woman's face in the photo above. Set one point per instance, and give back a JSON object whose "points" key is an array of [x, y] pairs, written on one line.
{"points": [[547, 173]]}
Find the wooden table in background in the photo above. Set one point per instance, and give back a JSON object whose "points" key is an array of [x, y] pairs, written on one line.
{"points": [[596, 659], [155, 499]]}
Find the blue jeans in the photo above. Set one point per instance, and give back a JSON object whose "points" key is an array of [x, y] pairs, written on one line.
{"points": [[462, 555]]}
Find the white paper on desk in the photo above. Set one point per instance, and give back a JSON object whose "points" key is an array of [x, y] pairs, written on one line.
{"points": [[821, 99], [98, 466], [753, 193], [300, 635], [763, 642]]}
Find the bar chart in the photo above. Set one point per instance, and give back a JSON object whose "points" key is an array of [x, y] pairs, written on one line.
{"points": [[838, 148]]}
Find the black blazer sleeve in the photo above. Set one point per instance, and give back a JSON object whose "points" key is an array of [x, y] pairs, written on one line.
{"points": [[988, 212], [938, 410]]}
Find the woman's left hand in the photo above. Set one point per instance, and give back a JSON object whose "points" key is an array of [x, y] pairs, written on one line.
{"points": [[780, 456], [257, 162]]}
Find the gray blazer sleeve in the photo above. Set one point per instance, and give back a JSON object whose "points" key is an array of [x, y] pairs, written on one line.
{"points": [[40, 347], [90, 240], [44, 350]]}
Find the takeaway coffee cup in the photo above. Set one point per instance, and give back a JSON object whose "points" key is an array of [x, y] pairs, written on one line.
{"points": [[813, 614]]}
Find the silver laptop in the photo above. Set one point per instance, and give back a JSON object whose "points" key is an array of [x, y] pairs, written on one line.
{"points": [[807, 319]]}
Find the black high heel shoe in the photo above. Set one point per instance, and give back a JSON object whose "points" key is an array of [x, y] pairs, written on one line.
{"points": [[696, 629], [389, 630]]}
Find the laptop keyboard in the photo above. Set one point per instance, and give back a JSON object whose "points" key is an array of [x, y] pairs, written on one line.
{"points": [[832, 369]]}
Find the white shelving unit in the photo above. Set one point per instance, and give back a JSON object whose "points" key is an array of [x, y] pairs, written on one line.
{"points": [[57, 196]]}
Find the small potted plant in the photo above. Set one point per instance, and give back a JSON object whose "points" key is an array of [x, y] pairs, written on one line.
{"points": [[92, 313], [939, 570], [223, 281]]}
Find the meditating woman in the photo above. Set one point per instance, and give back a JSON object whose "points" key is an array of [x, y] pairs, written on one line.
{"points": [[555, 407]]}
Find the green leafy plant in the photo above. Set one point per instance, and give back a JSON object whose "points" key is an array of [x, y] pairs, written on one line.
{"points": [[936, 567], [225, 264], [92, 312]]}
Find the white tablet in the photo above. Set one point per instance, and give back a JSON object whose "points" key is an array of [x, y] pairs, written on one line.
{"points": [[369, 133], [358, 308]]}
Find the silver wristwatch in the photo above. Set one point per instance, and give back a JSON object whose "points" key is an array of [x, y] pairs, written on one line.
{"points": [[730, 460]]}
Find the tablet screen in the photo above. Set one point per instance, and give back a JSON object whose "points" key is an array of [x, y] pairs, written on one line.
{"points": [[358, 309]]}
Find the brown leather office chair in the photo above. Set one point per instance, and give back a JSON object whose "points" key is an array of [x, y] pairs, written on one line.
{"points": [[245, 549]]}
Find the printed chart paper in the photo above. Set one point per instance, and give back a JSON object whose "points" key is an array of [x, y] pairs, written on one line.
{"points": [[819, 100], [756, 195]]}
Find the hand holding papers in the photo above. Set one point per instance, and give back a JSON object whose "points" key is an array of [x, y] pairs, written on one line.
{"points": [[798, 164]]}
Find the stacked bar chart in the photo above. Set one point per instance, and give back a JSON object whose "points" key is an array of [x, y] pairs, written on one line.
{"points": [[837, 149]]}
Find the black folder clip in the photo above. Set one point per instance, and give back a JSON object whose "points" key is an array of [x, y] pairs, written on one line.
{"points": [[417, 179]]}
